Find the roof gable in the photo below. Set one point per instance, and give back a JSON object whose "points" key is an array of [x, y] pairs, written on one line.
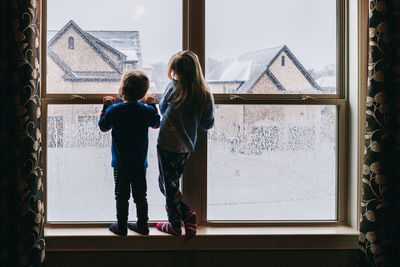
{"points": [[102, 45], [301, 68], [127, 42]]}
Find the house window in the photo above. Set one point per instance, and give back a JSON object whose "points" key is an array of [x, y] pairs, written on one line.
{"points": [[71, 44], [129, 66], [261, 162]]}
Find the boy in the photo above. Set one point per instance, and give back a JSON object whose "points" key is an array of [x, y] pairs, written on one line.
{"points": [[129, 121]]}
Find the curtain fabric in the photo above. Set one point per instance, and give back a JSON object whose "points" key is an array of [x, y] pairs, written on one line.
{"points": [[380, 191], [21, 187]]}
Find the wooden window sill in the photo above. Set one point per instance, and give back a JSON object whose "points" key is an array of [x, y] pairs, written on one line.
{"points": [[208, 238]]}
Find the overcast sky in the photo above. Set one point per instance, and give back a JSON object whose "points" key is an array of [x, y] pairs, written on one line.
{"points": [[232, 26]]}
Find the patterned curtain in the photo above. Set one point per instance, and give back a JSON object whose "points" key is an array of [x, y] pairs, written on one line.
{"points": [[21, 187], [380, 192]]}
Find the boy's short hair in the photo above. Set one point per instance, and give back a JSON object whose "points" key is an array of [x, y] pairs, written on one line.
{"points": [[135, 84]]}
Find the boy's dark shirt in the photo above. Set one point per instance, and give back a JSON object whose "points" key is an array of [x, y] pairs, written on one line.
{"points": [[129, 123]]}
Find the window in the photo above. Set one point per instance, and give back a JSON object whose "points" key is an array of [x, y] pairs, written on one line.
{"points": [[88, 134], [79, 177], [129, 66], [276, 152], [71, 43]]}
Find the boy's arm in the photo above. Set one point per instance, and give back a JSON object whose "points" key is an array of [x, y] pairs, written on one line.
{"points": [[105, 122], [155, 117]]}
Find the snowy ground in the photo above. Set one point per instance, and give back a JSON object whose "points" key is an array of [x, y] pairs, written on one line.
{"points": [[276, 185], [80, 185]]}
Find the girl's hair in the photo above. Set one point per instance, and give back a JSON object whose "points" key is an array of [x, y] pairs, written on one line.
{"points": [[184, 68], [135, 84]]}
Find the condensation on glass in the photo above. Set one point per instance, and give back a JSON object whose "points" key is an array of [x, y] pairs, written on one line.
{"points": [[80, 182], [85, 57], [272, 162], [271, 47]]}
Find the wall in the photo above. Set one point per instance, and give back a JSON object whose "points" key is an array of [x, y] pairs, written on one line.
{"points": [[270, 258], [290, 76], [82, 57]]}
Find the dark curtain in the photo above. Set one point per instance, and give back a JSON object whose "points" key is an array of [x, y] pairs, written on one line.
{"points": [[380, 189], [21, 186]]}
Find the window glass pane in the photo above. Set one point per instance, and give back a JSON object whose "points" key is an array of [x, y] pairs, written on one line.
{"points": [[275, 162], [271, 47], [89, 53], [80, 182]]}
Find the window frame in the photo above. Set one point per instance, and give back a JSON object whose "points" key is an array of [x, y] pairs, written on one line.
{"points": [[195, 174]]}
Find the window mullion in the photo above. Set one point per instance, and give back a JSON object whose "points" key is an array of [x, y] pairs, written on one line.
{"points": [[195, 175]]}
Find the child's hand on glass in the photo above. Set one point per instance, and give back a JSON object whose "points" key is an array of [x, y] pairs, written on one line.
{"points": [[108, 101], [148, 99]]}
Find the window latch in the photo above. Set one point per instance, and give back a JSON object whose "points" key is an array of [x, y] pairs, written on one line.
{"points": [[307, 97], [74, 97], [232, 97]]}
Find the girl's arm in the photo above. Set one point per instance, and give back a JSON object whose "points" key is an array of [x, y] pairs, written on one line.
{"points": [[165, 98], [207, 120]]}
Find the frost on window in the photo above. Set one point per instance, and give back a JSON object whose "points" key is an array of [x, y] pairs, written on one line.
{"points": [[275, 162], [55, 130], [278, 59], [89, 134], [80, 182]]}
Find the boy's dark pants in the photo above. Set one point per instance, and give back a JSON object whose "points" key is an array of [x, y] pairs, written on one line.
{"points": [[171, 168], [124, 182]]}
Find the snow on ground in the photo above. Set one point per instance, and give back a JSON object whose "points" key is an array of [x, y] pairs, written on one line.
{"points": [[276, 185], [80, 185]]}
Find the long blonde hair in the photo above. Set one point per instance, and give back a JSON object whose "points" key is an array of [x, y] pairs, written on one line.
{"points": [[184, 68]]}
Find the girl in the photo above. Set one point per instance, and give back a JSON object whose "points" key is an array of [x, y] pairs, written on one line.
{"points": [[186, 105]]}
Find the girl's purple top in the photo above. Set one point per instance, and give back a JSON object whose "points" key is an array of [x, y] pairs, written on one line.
{"points": [[178, 131]]}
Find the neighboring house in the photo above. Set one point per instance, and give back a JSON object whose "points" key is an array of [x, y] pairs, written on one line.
{"points": [[269, 71], [81, 61], [252, 128]]}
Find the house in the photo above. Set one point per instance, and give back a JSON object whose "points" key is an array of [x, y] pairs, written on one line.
{"points": [[268, 71], [86, 62], [81, 61]]}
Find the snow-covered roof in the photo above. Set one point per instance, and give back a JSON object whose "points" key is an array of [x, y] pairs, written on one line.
{"points": [[128, 42], [131, 55], [327, 81], [244, 67], [237, 71], [247, 68], [121, 40]]}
